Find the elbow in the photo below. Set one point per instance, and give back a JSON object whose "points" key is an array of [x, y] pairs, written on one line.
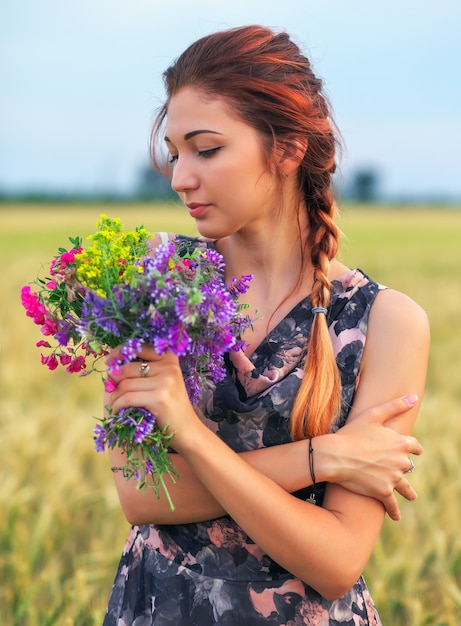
{"points": [[140, 513], [132, 518], [332, 592], [136, 517], [131, 513], [139, 507], [335, 584], [134, 507]]}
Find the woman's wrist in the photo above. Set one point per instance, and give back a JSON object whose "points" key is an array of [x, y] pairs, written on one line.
{"points": [[322, 463]]}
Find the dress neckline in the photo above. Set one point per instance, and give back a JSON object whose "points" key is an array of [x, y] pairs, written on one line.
{"points": [[339, 285]]}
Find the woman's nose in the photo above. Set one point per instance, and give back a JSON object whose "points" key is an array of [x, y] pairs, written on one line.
{"points": [[183, 177]]}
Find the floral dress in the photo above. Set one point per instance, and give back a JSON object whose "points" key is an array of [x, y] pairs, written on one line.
{"points": [[211, 573]]}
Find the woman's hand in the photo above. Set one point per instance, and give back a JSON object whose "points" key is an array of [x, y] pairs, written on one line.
{"points": [[371, 458], [154, 383]]}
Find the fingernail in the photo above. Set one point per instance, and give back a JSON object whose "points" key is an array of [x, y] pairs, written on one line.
{"points": [[411, 400]]}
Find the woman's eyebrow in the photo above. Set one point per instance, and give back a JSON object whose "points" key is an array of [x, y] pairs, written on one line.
{"points": [[193, 133]]}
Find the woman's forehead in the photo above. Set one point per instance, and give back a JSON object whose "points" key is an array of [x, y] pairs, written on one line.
{"points": [[191, 110]]}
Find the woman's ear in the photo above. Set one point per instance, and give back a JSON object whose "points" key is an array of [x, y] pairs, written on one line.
{"points": [[291, 153]]}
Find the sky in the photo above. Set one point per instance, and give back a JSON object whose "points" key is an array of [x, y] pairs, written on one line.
{"points": [[80, 82]]}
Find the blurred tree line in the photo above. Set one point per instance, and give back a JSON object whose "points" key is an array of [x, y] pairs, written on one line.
{"points": [[362, 186]]}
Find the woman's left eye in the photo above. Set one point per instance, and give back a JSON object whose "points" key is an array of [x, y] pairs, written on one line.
{"points": [[206, 154]]}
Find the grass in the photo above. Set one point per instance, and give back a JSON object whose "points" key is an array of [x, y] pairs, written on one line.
{"points": [[61, 529]]}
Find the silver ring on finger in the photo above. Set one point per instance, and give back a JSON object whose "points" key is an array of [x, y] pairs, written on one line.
{"points": [[411, 469], [144, 369]]}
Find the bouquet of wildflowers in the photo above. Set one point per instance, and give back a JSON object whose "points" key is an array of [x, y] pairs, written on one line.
{"points": [[115, 292]]}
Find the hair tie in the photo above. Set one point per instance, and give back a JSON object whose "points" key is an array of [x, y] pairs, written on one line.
{"points": [[319, 309]]}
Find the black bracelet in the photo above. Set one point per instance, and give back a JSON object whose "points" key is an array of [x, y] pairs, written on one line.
{"points": [[311, 462]]}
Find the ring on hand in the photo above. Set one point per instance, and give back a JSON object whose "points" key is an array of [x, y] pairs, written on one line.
{"points": [[144, 369], [411, 468]]}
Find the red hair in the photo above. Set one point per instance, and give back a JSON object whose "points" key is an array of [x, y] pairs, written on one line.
{"points": [[270, 85]]}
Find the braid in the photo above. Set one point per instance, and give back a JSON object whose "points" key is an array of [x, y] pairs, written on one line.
{"points": [[318, 402]]}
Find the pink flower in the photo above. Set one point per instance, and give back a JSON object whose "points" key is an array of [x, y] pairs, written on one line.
{"points": [[60, 264], [77, 365], [51, 285], [50, 361], [49, 327], [34, 308], [67, 258], [39, 314], [43, 344], [26, 296], [109, 385], [65, 359]]}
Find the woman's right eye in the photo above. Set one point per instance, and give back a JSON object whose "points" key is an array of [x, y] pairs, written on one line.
{"points": [[173, 158], [206, 154]]}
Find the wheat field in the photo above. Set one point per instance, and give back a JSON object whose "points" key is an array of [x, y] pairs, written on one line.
{"points": [[61, 529]]}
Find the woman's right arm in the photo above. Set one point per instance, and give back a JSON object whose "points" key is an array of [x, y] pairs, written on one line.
{"points": [[364, 456]]}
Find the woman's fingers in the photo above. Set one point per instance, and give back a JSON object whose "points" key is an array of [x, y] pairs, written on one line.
{"points": [[414, 446], [381, 461], [392, 507], [388, 410], [153, 382], [146, 366], [405, 489]]}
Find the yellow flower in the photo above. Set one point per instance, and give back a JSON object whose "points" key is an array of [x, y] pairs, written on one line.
{"points": [[111, 257]]}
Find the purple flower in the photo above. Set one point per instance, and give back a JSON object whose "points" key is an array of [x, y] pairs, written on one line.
{"points": [[130, 349], [113, 366], [215, 259], [64, 333], [193, 384], [163, 254], [179, 339], [239, 286], [144, 427], [186, 306], [149, 466], [99, 436], [92, 304], [161, 344]]}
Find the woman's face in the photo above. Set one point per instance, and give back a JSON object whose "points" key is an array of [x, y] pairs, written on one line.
{"points": [[218, 166]]}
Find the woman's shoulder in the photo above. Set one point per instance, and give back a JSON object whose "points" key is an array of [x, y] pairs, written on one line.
{"points": [[397, 309], [390, 306]]}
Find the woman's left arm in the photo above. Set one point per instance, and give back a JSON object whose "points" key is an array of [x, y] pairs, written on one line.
{"points": [[326, 547]]}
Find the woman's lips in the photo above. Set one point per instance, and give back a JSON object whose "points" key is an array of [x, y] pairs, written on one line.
{"points": [[196, 210]]}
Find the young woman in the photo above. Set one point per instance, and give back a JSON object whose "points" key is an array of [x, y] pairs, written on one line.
{"points": [[288, 466]]}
